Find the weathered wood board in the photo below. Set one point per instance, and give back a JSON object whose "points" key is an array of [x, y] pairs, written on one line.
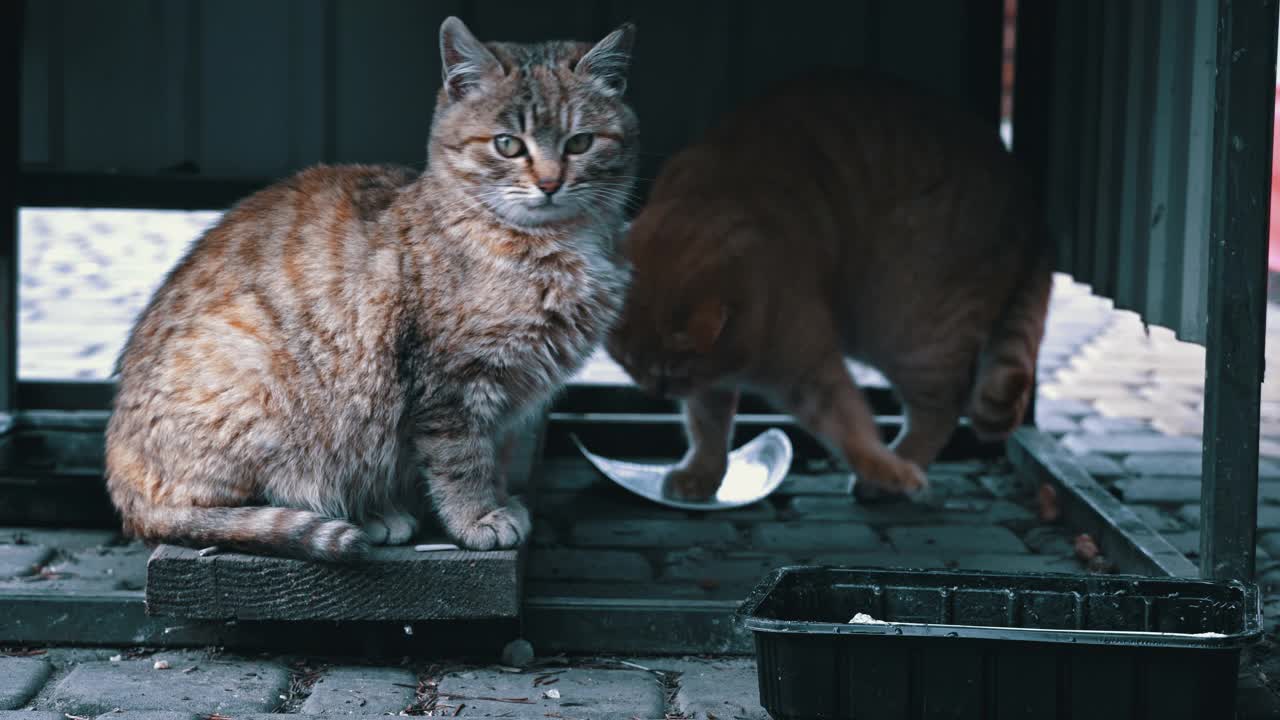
{"points": [[395, 584]]}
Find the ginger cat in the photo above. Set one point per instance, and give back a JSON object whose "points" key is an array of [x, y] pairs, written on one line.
{"points": [[840, 216], [344, 330]]}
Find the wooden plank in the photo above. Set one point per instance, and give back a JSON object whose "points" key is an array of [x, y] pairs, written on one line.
{"points": [[1239, 226], [1087, 507], [37, 617], [397, 584]]}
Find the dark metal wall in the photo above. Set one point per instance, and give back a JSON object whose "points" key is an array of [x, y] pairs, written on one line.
{"points": [[258, 88], [1129, 153]]}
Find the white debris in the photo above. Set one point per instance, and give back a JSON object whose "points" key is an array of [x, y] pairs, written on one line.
{"points": [[865, 619], [408, 630], [468, 676], [161, 665], [553, 693], [434, 547], [116, 658], [1209, 635]]}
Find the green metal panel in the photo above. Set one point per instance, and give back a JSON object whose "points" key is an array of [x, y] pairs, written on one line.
{"points": [[1127, 192]]}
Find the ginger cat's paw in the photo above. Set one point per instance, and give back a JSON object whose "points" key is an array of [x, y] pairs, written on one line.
{"points": [[500, 529], [887, 478], [692, 483]]}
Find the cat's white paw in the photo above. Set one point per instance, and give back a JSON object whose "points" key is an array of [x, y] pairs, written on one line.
{"points": [[377, 531], [503, 528], [401, 527]]}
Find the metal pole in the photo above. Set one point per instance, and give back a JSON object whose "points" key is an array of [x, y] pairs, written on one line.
{"points": [[1244, 106], [10, 87]]}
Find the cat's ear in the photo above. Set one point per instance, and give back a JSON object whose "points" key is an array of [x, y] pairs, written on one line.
{"points": [[606, 64], [706, 323], [466, 63]]}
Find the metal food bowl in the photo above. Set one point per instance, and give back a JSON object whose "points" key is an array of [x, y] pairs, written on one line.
{"points": [[755, 471]]}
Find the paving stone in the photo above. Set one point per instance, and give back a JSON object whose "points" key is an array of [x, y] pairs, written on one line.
{"points": [[20, 680], [1162, 521], [1185, 465], [601, 502], [888, 558], [117, 568], [1048, 540], [846, 509], [1018, 563], [1099, 425], [221, 687], [762, 511], [1268, 516], [148, 715], [949, 485], [823, 484], [1145, 409], [950, 541], [583, 694], [690, 590], [720, 688], [1100, 466], [959, 511], [653, 533], [1270, 542], [30, 715], [1129, 444], [814, 536], [1055, 424], [568, 475], [696, 564], [1159, 490], [22, 560], [1179, 394], [1189, 514], [567, 564], [1064, 407], [361, 691], [67, 540], [1186, 542], [1093, 392]]}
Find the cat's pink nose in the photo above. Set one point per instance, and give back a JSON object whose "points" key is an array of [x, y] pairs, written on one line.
{"points": [[549, 185]]}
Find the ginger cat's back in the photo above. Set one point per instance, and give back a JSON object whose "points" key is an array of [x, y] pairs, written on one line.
{"points": [[843, 215]]}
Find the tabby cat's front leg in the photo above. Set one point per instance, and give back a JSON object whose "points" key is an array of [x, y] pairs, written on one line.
{"points": [[708, 416], [460, 469]]}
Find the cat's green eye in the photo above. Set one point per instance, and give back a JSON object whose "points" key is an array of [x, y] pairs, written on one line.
{"points": [[508, 146], [579, 143]]}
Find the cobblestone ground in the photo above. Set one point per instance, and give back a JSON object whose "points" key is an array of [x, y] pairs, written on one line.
{"points": [[1127, 401]]}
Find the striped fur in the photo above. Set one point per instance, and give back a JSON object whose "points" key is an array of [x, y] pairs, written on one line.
{"points": [[839, 216], [354, 339]]}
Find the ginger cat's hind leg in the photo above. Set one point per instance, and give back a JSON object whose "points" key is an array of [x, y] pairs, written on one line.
{"points": [[830, 405], [1007, 364]]}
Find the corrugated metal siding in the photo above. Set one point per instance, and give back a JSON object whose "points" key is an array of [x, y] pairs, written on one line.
{"points": [[263, 87], [1130, 152]]}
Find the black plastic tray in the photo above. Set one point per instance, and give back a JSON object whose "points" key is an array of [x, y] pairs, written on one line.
{"points": [[997, 645]]}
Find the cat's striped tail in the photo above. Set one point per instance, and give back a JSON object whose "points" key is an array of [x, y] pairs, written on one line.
{"points": [[1007, 363], [284, 532]]}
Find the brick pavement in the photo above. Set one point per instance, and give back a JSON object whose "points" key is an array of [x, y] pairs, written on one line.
{"points": [[1128, 401]]}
